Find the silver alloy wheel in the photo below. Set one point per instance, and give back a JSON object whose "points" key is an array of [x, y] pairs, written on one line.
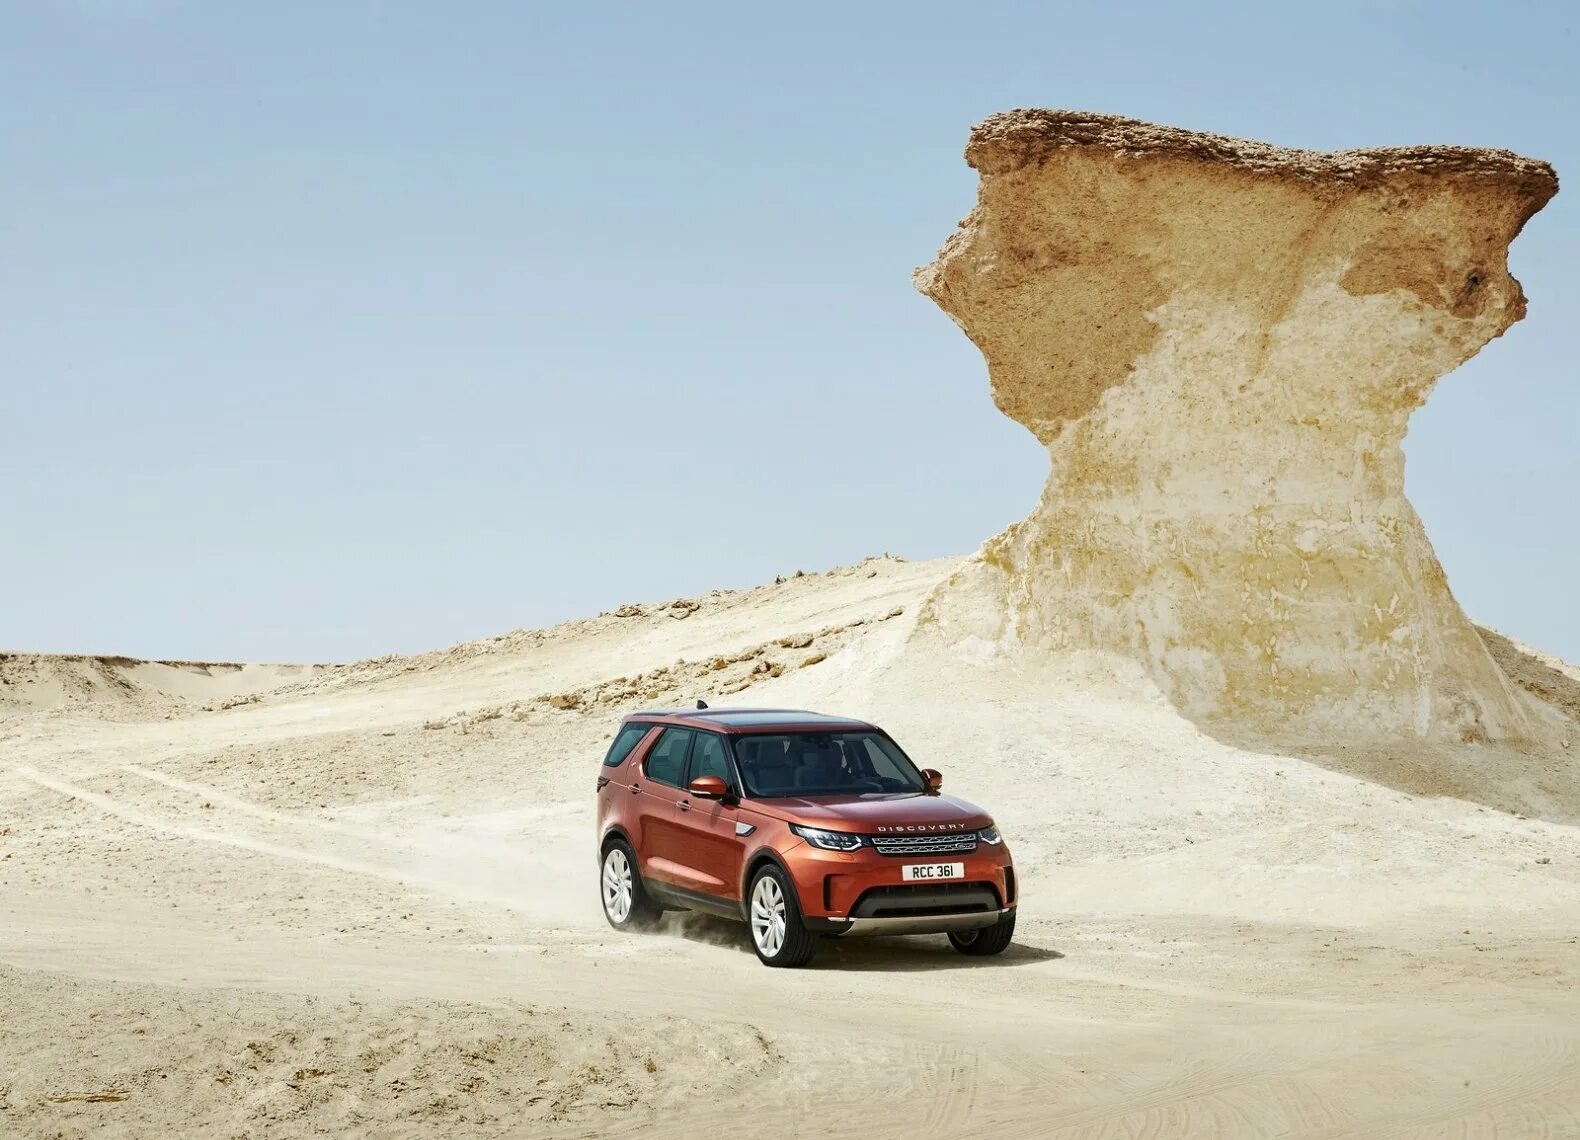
{"points": [[617, 885], [768, 916]]}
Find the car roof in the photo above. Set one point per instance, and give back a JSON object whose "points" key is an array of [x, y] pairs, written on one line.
{"points": [[753, 720]]}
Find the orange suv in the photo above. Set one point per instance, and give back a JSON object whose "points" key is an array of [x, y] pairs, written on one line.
{"points": [[798, 824]]}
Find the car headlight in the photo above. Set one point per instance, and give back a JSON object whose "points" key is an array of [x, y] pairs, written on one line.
{"points": [[989, 834], [827, 840]]}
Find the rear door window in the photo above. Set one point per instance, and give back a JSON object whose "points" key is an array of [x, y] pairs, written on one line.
{"points": [[666, 763], [626, 739]]}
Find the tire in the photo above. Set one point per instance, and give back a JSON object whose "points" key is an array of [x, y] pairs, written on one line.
{"points": [[773, 916], [988, 940], [626, 903]]}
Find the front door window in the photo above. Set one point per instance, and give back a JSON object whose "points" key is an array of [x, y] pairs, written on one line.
{"points": [[708, 758]]}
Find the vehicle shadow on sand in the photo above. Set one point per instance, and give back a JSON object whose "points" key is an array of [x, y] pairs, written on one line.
{"points": [[876, 955], [918, 952]]}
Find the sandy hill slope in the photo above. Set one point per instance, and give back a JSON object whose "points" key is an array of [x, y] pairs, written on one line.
{"points": [[128, 688], [362, 900]]}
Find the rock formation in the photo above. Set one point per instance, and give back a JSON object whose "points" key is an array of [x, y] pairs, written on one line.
{"points": [[1220, 342]]}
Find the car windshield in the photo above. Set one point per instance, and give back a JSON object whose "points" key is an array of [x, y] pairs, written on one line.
{"points": [[824, 764]]}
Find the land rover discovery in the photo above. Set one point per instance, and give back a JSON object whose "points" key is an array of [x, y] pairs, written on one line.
{"points": [[797, 824]]}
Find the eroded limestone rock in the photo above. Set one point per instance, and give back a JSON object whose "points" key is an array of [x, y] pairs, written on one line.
{"points": [[1221, 342]]}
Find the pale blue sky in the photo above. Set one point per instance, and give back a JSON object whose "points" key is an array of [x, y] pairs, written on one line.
{"points": [[336, 329]]}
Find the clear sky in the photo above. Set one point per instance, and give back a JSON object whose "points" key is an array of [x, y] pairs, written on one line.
{"points": [[336, 329]]}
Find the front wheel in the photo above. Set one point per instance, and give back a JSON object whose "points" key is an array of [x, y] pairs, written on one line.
{"points": [[626, 903], [778, 934], [988, 940]]}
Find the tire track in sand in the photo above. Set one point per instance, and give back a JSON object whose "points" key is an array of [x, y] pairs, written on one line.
{"points": [[457, 866]]}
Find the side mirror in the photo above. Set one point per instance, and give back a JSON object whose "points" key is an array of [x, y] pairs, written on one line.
{"points": [[934, 778], [708, 787]]}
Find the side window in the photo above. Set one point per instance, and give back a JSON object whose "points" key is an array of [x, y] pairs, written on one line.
{"points": [[666, 763], [625, 740], [708, 759]]}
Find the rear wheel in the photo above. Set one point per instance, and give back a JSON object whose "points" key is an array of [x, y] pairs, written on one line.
{"points": [[779, 935], [988, 940], [626, 903]]}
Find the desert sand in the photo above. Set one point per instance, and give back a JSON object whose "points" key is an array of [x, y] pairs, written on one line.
{"points": [[1298, 845], [362, 900]]}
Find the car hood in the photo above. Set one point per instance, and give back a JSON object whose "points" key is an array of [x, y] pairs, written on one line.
{"points": [[877, 814]]}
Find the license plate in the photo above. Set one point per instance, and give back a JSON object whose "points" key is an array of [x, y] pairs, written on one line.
{"points": [[911, 872]]}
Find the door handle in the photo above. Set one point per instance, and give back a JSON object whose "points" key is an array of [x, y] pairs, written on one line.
{"points": [[635, 788], [683, 805]]}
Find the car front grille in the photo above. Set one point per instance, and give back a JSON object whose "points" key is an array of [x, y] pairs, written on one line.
{"points": [[915, 900], [952, 843]]}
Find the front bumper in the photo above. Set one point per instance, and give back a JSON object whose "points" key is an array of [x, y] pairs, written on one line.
{"points": [[863, 892], [908, 924]]}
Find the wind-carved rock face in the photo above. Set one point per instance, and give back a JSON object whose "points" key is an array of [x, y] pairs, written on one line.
{"points": [[1221, 342]]}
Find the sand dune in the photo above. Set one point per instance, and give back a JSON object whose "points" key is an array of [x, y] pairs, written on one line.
{"points": [[361, 900], [102, 686]]}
